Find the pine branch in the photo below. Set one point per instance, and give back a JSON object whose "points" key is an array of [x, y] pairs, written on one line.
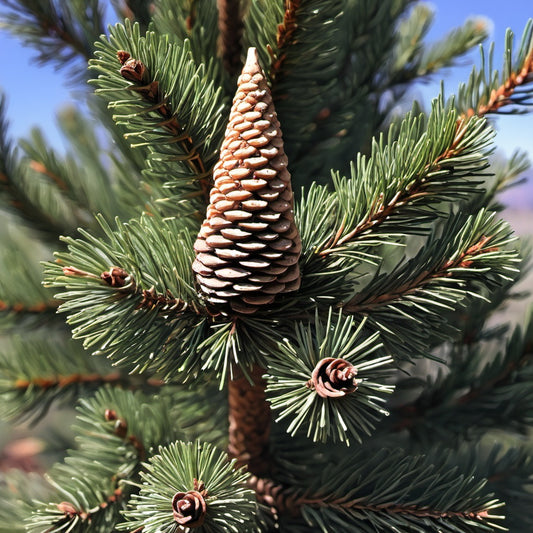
{"points": [[489, 92], [316, 123], [133, 70], [18, 492], [422, 164], [113, 442], [510, 474], [475, 261], [24, 303], [12, 186], [357, 491], [440, 161], [168, 105], [69, 189], [412, 59], [145, 306], [318, 126], [61, 31], [36, 372], [195, 21], [463, 260], [456, 43], [460, 142], [408, 182], [148, 313]]}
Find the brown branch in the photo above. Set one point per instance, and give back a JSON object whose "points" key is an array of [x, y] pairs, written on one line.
{"points": [[34, 308], [464, 260], [502, 96], [61, 381], [125, 283], [285, 36], [136, 72], [285, 500], [120, 429], [230, 26], [379, 212], [39, 167], [249, 421]]}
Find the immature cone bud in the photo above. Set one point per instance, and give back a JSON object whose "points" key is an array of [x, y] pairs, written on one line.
{"points": [[189, 508], [115, 276], [248, 247], [332, 378]]}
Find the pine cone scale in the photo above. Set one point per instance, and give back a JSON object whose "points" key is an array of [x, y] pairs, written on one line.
{"points": [[248, 247]]}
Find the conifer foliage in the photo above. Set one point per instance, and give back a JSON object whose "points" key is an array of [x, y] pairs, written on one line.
{"points": [[266, 289]]}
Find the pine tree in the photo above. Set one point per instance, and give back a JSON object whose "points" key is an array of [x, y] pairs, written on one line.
{"points": [[271, 289]]}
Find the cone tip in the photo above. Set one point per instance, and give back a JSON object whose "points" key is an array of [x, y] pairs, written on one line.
{"points": [[252, 62]]}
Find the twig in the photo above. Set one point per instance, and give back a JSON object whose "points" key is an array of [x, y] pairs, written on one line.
{"points": [[136, 72], [285, 36], [464, 260], [24, 308], [502, 96], [283, 500], [82, 379], [380, 212], [230, 26]]}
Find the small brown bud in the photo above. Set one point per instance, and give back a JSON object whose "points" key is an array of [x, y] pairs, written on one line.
{"points": [[332, 378], [123, 56], [133, 70], [189, 508], [110, 415], [115, 277], [67, 508], [121, 428]]}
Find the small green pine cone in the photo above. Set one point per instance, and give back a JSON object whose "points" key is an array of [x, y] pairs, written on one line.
{"points": [[248, 247]]}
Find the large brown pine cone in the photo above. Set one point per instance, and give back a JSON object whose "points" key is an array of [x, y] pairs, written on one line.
{"points": [[248, 247]]}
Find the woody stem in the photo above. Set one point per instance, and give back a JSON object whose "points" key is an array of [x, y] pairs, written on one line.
{"points": [[249, 420]]}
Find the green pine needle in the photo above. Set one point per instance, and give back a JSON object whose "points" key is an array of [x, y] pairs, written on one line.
{"points": [[338, 419]]}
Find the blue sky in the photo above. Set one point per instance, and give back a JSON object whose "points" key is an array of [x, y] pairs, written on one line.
{"points": [[36, 93]]}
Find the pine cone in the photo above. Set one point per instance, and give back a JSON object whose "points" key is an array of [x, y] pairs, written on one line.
{"points": [[332, 378], [248, 246], [189, 508]]}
